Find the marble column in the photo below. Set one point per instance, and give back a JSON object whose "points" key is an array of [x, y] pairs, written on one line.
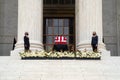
{"points": [[88, 19], [30, 19]]}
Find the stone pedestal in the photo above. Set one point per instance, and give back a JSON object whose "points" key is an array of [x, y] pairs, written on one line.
{"points": [[30, 19], [88, 19]]}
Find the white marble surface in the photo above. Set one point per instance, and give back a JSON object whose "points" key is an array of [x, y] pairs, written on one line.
{"points": [[30, 19], [108, 68], [88, 19]]}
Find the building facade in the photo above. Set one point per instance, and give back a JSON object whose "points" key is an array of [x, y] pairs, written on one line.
{"points": [[45, 19]]}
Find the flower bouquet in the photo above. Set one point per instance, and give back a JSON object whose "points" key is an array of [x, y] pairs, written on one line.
{"points": [[60, 55]]}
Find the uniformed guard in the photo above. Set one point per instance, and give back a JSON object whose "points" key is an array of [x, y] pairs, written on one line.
{"points": [[26, 42]]}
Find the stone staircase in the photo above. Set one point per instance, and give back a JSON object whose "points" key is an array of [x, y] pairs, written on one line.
{"points": [[108, 68]]}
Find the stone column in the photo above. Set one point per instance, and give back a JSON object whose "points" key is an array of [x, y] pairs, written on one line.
{"points": [[30, 19], [88, 19]]}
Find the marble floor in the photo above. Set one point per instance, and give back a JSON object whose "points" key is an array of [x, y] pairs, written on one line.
{"points": [[108, 68]]}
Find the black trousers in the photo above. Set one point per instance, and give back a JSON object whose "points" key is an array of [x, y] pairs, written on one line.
{"points": [[94, 47], [26, 48], [60, 47]]}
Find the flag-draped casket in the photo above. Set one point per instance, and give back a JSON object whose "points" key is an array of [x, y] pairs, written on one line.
{"points": [[60, 43]]}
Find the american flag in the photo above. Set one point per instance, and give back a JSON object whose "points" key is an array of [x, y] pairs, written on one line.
{"points": [[60, 40]]}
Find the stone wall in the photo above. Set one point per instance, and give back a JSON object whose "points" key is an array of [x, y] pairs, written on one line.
{"points": [[8, 25], [118, 25], [110, 26]]}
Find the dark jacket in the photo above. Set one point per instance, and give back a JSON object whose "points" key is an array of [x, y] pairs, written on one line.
{"points": [[94, 40], [26, 42], [14, 42]]}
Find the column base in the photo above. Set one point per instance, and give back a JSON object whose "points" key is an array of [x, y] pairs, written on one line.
{"points": [[33, 46], [87, 46], [20, 48]]}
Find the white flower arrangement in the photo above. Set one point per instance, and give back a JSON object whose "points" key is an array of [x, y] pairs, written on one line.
{"points": [[66, 54]]}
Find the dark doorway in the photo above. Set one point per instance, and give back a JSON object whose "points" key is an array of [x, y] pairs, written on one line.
{"points": [[59, 19], [58, 26]]}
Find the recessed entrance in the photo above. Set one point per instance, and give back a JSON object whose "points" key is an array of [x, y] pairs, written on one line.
{"points": [[58, 26], [59, 19]]}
